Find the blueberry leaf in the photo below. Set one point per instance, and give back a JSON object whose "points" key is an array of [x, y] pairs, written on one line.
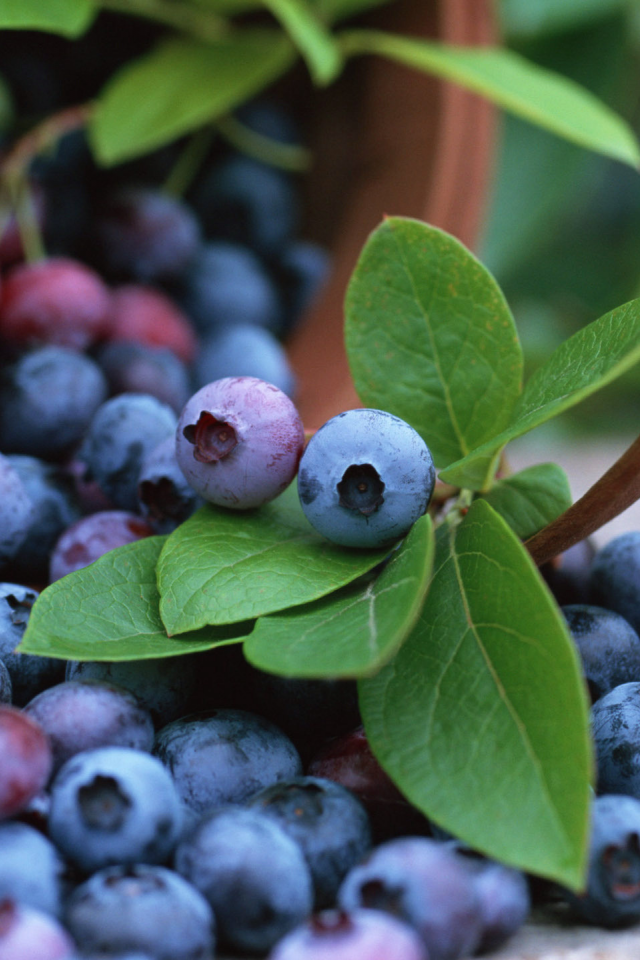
{"points": [[525, 20], [109, 611], [310, 36], [587, 361], [532, 498], [431, 339], [70, 18], [181, 85], [352, 632], [481, 718], [531, 92], [221, 566]]}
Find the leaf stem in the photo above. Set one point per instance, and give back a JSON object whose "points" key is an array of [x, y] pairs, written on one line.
{"points": [[27, 219], [616, 490], [286, 156], [43, 137], [196, 21], [189, 163]]}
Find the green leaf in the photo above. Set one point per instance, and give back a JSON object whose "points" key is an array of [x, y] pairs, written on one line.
{"points": [[481, 718], [310, 36], [109, 611], [333, 10], [536, 18], [221, 565], [531, 499], [181, 85], [354, 631], [587, 361], [514, 83], [67, 17], [430, 337]]}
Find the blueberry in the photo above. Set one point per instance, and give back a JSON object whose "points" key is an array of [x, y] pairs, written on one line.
{"points": [[141, 908], [25, 760], [348, 760], [6, 690], [114, 805], [29, 674], [145, 235], [166, 499], [123, 431], [16, 510], [91, 537], [225, 756], [239, 441], [47, 401], [248, 202], [227, 284], [164, 686], [614, 580], [79, 716], [55, 301], [612, 896], [609, 647], [253, 875], [145, 315], [338, 935], [328, 823], [244, 350], [615, 723], [31, 869], [55, 507], [504, 896], [365, 478], [422, 882], [568, 574], [28, 934], [140, 368]]}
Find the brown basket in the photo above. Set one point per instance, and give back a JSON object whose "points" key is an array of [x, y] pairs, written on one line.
{"points": [[390, 141]]}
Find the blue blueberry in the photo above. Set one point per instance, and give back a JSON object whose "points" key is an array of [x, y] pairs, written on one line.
{"points": [[141, 908], [615, 725], [612, 896], [6, 690], [114, 805], [29, 674], [243, 350], [138, 368], [504, 895], [338, 935], [47, 401], [422, 882], [239, 441], [253, 875], [122, 433], [164, 686], [609, 647], [328, 823], [365, 478], [143, 234], [16, 510], [31, 869], [79, 716], [614, 580], [55, 507], [227, 284], [166, 499], [247, 202], [225, 756]]}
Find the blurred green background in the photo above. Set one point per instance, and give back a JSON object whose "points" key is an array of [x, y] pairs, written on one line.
{"points": [[563, 229]]}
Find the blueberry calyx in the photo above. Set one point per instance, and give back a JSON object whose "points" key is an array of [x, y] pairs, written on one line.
{"points": [[361, 489], [103, 803], [213, 439], [622, 869], [330, 922], [160, 498]]}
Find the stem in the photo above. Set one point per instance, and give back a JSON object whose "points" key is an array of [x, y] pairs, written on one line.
{"points": [[188, 163], [44, 137], [616, 490], [198, 22], [287, 156], [27, 219]]}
